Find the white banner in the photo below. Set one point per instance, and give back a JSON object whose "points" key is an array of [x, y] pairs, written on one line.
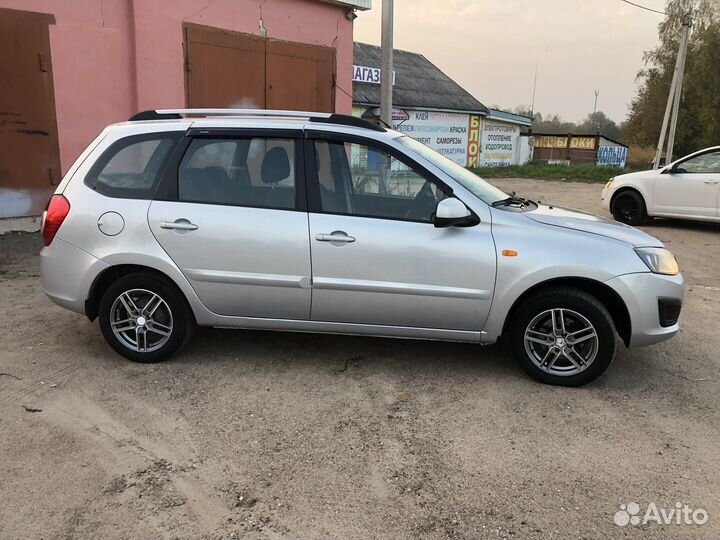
{"points": [[499, 142], [446, 133]]}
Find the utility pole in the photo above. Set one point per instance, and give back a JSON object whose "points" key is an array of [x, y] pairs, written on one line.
{"points": [[386, 45], [673, 102], [532, 105], [597, 124], [597, 93], [678, 88]]}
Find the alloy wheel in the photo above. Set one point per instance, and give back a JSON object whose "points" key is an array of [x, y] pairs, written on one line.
{"points": [[561, 342], [141, 320]]}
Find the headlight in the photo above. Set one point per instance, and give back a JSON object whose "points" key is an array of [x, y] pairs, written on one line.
{"points": [[609, 183], [659, 260]]}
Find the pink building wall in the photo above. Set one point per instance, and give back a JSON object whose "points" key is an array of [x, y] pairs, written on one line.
{"points": [[112, 58]]}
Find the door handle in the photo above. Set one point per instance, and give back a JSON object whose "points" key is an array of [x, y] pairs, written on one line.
{"points": [[178, 225], [335, 236], [712, 181]]}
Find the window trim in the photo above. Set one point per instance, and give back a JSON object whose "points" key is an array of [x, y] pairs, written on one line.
{"points": [[313, 180], [168, 189], [91, 179]]}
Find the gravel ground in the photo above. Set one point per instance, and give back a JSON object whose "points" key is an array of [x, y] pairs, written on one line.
{"points": [[268, 435]]}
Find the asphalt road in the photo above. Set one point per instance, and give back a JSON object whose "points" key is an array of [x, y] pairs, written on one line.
{"points": [[268, 435]]}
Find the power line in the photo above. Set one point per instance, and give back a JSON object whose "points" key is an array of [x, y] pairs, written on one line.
{"points": [[644, 7]]}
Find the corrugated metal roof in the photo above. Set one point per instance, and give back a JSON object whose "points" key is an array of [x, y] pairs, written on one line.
{"points": [[495, 114], [418, 83]]}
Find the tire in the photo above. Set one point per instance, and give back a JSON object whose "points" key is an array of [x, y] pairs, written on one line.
{"points": [[567, 360], [165, 320], [629, 207]]}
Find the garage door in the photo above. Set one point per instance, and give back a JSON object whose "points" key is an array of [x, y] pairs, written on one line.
{"points": [[230, 69], [29, 154]]}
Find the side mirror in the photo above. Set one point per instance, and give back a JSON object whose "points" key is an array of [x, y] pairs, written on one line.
{"points": [[453, 213]]}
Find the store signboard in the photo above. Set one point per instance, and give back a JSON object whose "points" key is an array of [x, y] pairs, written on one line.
{"points": [[583, 143], [551, 141], [614, 156], [446, 133], [499, 141], [368, 75]]}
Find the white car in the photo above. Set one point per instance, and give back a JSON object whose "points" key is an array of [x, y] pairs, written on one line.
{"points": [[688, 188]]}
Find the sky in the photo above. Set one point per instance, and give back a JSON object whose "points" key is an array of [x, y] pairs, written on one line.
{"points": [[491, 47]]}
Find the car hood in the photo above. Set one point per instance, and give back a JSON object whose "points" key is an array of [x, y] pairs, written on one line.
{"points": [[589, 223], [639, 175]]}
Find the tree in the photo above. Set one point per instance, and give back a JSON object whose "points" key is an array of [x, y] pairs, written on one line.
{"points": [[698, 122], [599, 122], [554, 124]]}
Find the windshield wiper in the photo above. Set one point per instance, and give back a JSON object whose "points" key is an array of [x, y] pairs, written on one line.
{"points": [[512, 200]]}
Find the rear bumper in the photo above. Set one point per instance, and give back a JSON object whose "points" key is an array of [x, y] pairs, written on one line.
{"points": [[644, 295], [67, 274]]}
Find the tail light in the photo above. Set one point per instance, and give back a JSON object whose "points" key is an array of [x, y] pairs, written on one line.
{"points": [[57, 210]]}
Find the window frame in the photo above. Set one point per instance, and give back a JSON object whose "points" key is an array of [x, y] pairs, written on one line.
{"points": [[92, 178], [313, 181], [168, 189]]}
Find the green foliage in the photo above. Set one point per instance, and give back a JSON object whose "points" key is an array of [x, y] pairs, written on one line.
{"points": [[699, 120], [592, 123], [569, 173], [552, 123], [600, 122]]}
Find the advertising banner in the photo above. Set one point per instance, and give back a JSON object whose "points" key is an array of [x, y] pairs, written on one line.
{"points": [[551, 141], [499, 142], [446, 133], [612, 156]]}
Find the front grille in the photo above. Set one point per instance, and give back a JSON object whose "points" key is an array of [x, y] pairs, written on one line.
{"points": [[669, 311]]}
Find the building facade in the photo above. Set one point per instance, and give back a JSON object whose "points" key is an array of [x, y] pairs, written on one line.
{"points": [[432, 108], [69, 68]]}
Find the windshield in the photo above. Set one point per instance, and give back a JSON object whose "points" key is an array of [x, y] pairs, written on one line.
{"points": [[461, 175]]}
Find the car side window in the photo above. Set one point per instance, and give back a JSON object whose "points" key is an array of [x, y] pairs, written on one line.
{"points": [[130, 167], [363, 180], [706, 163], [257, 172]]}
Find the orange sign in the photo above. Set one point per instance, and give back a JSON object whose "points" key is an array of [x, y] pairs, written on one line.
{"points": [[473, 147], [584, 143]]}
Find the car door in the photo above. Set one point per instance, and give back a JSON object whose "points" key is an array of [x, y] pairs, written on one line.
{"points": [[231, 214], [690, 187], [377, 258]]}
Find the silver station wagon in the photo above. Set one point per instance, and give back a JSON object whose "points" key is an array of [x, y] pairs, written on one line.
{"points": [[313, 222]]}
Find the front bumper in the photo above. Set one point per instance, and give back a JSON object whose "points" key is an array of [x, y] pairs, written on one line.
{"points": [[644, 293], [605, 197]]}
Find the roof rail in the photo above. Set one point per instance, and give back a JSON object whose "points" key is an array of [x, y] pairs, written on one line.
{"points": [[327, 118]]}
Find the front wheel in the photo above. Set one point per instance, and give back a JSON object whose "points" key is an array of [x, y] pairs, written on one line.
{"points": [[629, 207], [563, 336], [144, 318]]}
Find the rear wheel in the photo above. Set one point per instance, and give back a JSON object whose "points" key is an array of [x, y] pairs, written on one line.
{"points": [[629, 207], [563, 336], [144, 318]]}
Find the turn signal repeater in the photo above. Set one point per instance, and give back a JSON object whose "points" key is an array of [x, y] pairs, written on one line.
{"points": [[509, 253]]}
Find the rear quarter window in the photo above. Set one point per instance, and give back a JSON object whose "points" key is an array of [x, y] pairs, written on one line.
{"points": [[131, 167]]}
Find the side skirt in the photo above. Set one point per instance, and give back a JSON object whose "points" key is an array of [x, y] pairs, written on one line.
{"points": [[287, 325]]}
